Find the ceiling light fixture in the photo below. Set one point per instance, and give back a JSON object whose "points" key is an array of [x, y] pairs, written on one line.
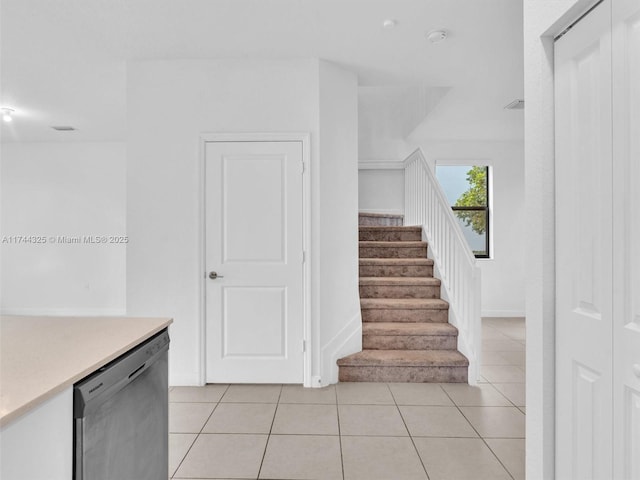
{"points": [[389, 23], [436, 36], [7, 114]]}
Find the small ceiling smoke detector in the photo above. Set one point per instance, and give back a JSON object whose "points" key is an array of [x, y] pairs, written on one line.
{"points": [[389, 23], [63, 128], [515, 105], [7, 114], [436, 36]]}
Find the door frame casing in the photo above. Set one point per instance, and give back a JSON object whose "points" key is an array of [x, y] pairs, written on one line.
{"points": [[305, 139], [576, 365], [541, 25]]}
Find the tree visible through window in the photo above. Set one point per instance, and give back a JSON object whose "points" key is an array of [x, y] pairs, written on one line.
{"points": [[467, 189]]}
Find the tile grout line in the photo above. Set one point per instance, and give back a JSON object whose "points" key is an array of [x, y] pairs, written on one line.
{"points": [[335, 390], [525, 434], [409, 431], [480, 436], [185, 455], [200, 432], [509, 400], [273, 420]]}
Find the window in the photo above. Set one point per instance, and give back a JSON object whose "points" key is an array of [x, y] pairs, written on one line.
{"points": [[467, 189]]}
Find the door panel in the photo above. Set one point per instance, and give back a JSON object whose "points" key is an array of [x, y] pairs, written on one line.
{"points": [[588, 389], [583, 249], [253, 208], [241, 305], [626, 215], [254, 309]]}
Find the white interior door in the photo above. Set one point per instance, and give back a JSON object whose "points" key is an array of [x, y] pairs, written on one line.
{"points": [[584, 249], [626, 217], [254, 242]]}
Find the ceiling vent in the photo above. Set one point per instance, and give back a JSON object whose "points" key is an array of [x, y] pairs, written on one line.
{"points": [[515, 105], [63, 128]]}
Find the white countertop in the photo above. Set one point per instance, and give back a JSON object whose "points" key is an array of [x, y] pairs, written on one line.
{"points": [[41, 356]]}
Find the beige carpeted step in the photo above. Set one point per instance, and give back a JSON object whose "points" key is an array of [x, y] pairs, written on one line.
{"points": [[390, 234], [404, 310], [404, 366], [399, 287], [393, 249], [396, 267], [409, 336]]}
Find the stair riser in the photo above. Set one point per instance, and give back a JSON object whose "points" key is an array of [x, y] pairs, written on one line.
{"points": [[410, 342], [393, 252], [379, 221], [404, 316], [389, 236], [400, 291], [403, 374], [396, 271]]}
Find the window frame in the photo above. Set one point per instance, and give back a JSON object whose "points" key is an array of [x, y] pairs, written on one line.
{"points": [[487, 209]]}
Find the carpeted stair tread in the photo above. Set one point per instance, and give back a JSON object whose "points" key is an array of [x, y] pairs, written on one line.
{"points": [[395, 262], [400, 244], [398, 329], [404, 303], [390, 233], [405, 358], [399, 281], [390, 228]]}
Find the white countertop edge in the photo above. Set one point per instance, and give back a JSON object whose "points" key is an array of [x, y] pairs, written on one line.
{"points": [[15, 413]]}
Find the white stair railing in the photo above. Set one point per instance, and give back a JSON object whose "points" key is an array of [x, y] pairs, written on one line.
{"points": [[425, 204]]}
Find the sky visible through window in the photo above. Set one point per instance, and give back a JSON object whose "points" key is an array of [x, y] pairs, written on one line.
{"points": [[453, 179]]}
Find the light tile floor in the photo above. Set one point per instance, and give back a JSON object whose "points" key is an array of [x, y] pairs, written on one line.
{"points": [[356, 431]]}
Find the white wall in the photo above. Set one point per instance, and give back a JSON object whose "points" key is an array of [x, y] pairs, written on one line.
{"points": [[170, 103], [63, 189], [381, 190], [503, 275], [339, 317]]}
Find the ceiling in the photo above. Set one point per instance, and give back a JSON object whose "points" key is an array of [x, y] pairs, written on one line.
{"points": [[63, 62]]}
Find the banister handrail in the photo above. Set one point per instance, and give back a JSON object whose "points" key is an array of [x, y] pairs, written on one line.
{"points": [[418, 155], [454, 263]]}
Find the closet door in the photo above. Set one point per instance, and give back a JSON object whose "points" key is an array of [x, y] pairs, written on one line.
{"points": [[626, 248], [584, 249]]}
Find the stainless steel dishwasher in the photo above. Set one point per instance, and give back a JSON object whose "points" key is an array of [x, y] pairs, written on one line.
{"points": [[121, 416]]}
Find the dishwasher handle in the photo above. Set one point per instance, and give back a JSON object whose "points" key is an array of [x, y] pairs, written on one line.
{"points": [[137, 370]]}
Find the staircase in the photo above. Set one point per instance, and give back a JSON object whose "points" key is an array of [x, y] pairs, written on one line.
{"points": [[406, 336]]}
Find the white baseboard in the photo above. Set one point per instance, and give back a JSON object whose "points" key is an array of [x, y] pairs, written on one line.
{"points": [[345, 342], [503, 313], [184, 380]]}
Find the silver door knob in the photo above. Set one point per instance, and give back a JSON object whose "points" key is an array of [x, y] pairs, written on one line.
{"points": [[214, 275]]}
